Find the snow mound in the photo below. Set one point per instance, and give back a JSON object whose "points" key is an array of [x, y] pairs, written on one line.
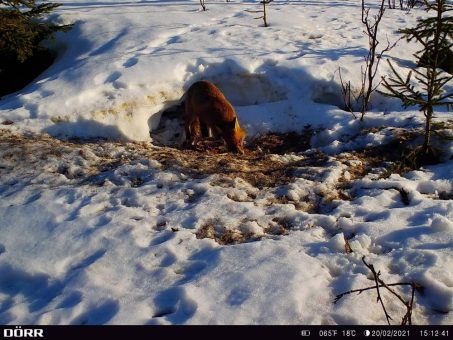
{"points": [[441, 223]]}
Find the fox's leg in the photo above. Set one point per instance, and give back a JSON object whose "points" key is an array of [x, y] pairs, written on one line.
{"points": [[187, 118], [195, 130], [188, 133], [190, 122]]}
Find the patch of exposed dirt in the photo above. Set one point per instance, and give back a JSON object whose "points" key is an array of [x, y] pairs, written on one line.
{"points": [[259, 166], [282, 143], [258, 169], [26, 153], [395, 156], [215, 230]]}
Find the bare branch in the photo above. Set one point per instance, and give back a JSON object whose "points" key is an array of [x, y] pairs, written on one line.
{"points": [[373, 58], [361, 290], [379, 283], [346, 94]]}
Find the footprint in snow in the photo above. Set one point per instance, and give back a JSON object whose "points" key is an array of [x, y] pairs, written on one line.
{"points": [[67, 197], [156, 260], [167, 235], [103, 220], [76, 213], [190, 271], [36, 289], [174, 305], [89, 260], [130, 62], [174, 40], [168, 259], [113, 77], [32, 198], [119, 85], [237, 296], [72, 300], [98, 315]]}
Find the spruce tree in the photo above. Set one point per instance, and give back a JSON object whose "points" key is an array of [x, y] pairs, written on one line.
{"points": [[22, 27], [427, 91]]}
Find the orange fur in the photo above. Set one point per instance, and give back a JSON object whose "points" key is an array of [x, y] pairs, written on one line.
{"points": [[206, 105]]}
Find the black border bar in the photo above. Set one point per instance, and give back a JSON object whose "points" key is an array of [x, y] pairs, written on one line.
{"points": [[211, 332]]}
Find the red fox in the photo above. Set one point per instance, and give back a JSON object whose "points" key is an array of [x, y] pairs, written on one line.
{"points": [[207, 106]]}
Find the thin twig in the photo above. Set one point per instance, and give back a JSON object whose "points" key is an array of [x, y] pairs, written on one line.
{"points": [[407, 318], [360, 290], [377, 281], [392, 291], [346, 93]]}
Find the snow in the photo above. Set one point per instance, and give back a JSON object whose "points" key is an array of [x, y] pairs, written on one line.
{"points": [[119, 231]]}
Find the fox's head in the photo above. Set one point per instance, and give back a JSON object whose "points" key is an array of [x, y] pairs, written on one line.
{"points": [[234, 136]]}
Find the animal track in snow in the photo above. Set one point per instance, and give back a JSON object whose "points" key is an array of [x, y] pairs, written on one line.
{"points": [[89, 260], [168, 259], [79, 210], [174, 305], [130, 62], [166, 236], [190, 271], [33, 198], [98, 314], [102, 221], [163, 258], [71, 300], [157, 44], [238, 295], [113, 77]]}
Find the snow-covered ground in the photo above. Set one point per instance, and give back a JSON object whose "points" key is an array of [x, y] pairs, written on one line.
{"points": [[120, 231]]}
